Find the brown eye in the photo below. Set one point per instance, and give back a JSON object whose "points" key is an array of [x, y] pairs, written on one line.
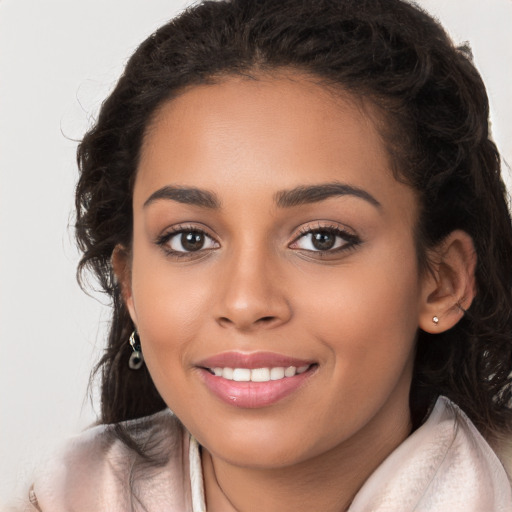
{"points": [[323, 240], [190, 240]]}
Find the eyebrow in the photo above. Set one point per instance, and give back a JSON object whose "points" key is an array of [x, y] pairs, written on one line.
{"points": [[186, 195], [284, 199], [316, 193]]}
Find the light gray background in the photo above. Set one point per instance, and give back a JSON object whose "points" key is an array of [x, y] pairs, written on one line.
{"points": [[58, 60]]}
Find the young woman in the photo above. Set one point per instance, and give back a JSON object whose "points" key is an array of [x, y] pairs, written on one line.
{"points": [[298, 213]]}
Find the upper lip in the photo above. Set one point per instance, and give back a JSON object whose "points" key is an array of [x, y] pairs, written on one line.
{"points": [[252, 360]]}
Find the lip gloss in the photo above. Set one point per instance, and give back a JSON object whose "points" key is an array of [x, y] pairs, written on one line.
{"points": [[249, 394]]}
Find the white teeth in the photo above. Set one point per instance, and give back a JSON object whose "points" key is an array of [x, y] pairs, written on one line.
{"points": [[227, 373], [276, 373], [242, 374], [258, 374], [290, 371]]}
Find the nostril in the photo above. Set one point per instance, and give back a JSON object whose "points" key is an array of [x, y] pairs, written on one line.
{"points": [[263, 321], [266, 319]]}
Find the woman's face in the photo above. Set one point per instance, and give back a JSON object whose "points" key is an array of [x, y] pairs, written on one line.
{"points": [[272, 243]]}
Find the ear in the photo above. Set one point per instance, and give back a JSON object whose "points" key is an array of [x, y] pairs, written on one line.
{"points": [[448, 287], [121, 264]]}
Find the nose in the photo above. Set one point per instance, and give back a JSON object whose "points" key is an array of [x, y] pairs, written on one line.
{"points": [[252, 293]]}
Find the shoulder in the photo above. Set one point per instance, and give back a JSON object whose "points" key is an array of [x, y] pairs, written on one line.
{"points": [[468, 470], [134, 465], [497, 453], [503, 448], [444, 465]]}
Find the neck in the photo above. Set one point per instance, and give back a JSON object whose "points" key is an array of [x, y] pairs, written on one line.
{"points": [[327, 482]]}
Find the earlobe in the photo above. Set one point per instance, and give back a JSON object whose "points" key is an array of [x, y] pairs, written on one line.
{"points": [[121, 265], [448, 287]]}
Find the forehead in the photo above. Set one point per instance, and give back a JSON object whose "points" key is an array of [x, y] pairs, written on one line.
{"points": [[270, 132], [288, 100]]}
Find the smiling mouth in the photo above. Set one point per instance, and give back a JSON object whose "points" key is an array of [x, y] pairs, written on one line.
{"points": [[258, 374], [253, 381]]}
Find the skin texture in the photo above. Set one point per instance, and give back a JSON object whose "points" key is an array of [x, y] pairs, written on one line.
{"points": [[259, 285]]}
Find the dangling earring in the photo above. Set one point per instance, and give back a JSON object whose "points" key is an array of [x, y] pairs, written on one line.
{"points": [[136, 358]]}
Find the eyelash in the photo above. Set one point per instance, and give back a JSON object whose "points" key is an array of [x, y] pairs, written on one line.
{"points": [[351, 240], [164, 239]]}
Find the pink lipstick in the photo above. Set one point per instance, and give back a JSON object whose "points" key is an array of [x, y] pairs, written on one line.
{"points": [[254, 380]]}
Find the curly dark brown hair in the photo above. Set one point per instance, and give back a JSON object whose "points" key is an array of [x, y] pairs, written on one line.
{"points": [[436, 109]]}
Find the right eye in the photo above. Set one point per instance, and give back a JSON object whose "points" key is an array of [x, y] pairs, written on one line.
{"points": [[187, 240]]}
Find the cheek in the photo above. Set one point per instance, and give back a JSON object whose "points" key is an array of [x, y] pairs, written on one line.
{"points": [[169, 308], [367, 322], [367, 317]]}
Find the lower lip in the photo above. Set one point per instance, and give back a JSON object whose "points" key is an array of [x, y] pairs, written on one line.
{"points": [[251, 395]]}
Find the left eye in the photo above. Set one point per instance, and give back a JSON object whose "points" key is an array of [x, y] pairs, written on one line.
{"points": [[190, 241], [323, 240]]}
